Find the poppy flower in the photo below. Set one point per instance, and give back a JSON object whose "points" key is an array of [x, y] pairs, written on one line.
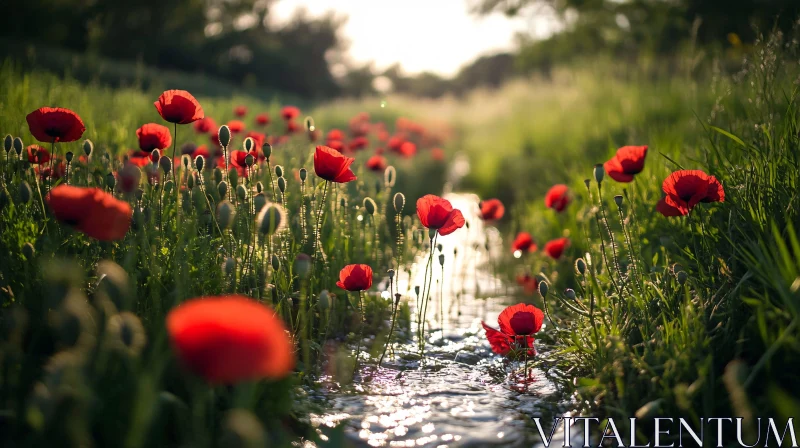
{"points": [[238, 158], [628, 161], [229, 339], [292, 127], [258, 138], [332, 166], [204, 125], [240, 111], [179, 107], [437, 154], [262, 119], [492, 209], [335, 144], [37, 155], [57, 171], [382, 135], [408, 149], [91, 210], [355, 277], [523, 243], [395, 142], [686, 188], [153, 136], [517, 325], [289, 113], [335, 134], [376, 163], [529, 283], [666, 209], [358, 143], [557, 197], [201, 150], [236, 126], [55, 124], [556, 247], [438, 213]]}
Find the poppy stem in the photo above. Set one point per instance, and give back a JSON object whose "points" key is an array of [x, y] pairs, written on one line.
{"points": [[360, 329], [174, 149], [317, 229], [394, 314]]}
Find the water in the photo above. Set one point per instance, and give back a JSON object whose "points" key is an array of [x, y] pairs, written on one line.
{"points": [[460, 393]]}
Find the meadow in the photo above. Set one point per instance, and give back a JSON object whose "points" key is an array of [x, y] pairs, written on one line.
{"points": [[649, 214]]}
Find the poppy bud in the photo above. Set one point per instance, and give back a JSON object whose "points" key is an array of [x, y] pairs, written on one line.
{"points": [[166, 164], [25, 192], [233, 177], [266, 148], [200, 162], [271, 219], [390, 273], [580, 266], [259, 187], [68, 156], [276, 262], [310, 124], [323, 301], [543, 288], [241, 192], [28, 251], [225, 214], [18, 146], [676, 268], [302, 265], [370, 205], [682, 277], [399, 202], [466, 223], [88, 147], [8, 142], [342, 203], [259, 201], [224, 136], [618, 200], [249, 144], [303, 174], [389, 176], [185, 160], [168, 186], [441, 259], [229, 265], [397, 297], [217, 175], [278, 170], [439, 247], [249, 160], [4, 198], [282, 184], [222, 188], [570, 293], [113, 284], [599, 173], [587, 182], [127, 333], [416, 290], [190, 182]]}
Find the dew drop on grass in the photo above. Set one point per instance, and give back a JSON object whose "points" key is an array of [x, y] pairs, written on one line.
{"points": [[383, 104]]}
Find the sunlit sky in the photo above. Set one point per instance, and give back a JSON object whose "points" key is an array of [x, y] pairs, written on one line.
{"points": [[422, 35]]}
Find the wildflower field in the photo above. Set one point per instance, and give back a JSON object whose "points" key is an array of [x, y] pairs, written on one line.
{"points": [[192, 271]]}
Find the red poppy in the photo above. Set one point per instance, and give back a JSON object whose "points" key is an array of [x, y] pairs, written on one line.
{"points": [[492, 210], [57, 171], [236, 126], [201, 150], [179, 107], [686, 188], [376, 163], [556, 247], [408, 149], [335, 144], [667, 210], [205, 125], [240, 111], [289, 113], [332, 166], [229, 339], [438, 213], [529, 283], [55, 124], [91, 211], [523, 243], [383, 135], [517, 325], [358, 143], [437, 154], [292, 127], [557, 197], [395, 142], [355, 277], [628, 161], [153, 136], [258, 139], [335, 134], [129, 175], [262, 119], [38, 155]]}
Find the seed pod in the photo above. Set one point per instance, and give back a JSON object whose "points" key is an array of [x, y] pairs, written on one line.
{"points": [[233, 177], [222, 188], [168, 186], [441, 259], [68, 156], [399, 202], [310, 124], [587, 182], [543, 288], [198, 199], [18, 146], [682, 277], [127, 333], [185, 161], [370, 205], [8, 142], [439, 247], [569, 293], [303, 174], [28, 251], [599, 173], [88, 147], [266, 148], [166, 164], [282, 184], [276, 262], [241, 192], [389, 176], [259, 187], [390, 273], [342, 203], [224, 136], [416, 290], [5, 198], [217, 175], [259, 201], [25, 192], [190, 181], [271, 219], [323, 301], [225, 214], [249, 144], [580, 266], [618, 200], [302, 265], [229, 266], [249, 160], [113, 285], [278, 170], [432, 233]]}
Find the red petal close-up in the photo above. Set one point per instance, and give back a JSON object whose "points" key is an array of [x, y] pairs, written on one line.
{"points": [[686, 188], [355, 277], [627, 162], [377, 163], [262, 119], [332, 166], [55, 124], [521, 320], [37, 155], [524, 243], [230, 339], [236, 126], [205, 125], [240, 111], [437, 213], [179, 107], [153, 136], [92, 211], [556, 247], [289, 113], [492, 210], [557, 197]]}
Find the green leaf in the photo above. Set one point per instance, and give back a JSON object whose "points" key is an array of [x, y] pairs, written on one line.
{"points": [[736, 139]]}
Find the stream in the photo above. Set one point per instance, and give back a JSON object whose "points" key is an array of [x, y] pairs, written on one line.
{"points": [[460, 394]]}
